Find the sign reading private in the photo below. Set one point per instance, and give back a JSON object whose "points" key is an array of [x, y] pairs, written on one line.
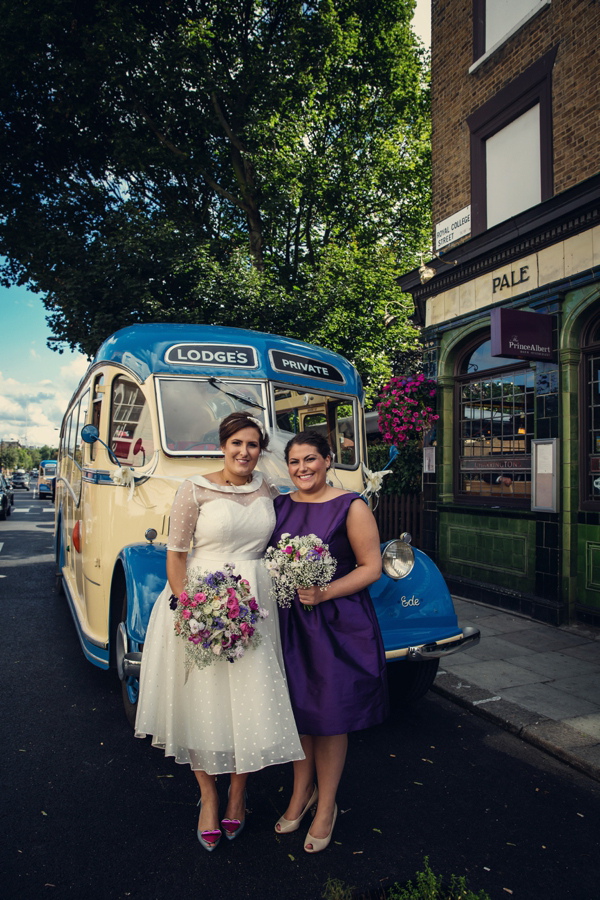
{"points": [[224, 356], [291, 363], [521, 335], [453, 228]]}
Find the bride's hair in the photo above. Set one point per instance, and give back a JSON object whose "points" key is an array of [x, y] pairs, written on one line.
{"points": [[314, 439], [235, 421]]}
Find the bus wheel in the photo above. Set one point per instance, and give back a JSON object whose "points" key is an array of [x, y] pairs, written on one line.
{"points": [[130, 686], [409, 681]]}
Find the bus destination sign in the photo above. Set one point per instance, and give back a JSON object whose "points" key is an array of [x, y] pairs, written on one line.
{"points": [[225, 356], [291, 363]]}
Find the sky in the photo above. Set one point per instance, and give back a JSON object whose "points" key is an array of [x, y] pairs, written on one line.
{"points": [[36, 383]]}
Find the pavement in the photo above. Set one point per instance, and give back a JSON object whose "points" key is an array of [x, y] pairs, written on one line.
{"points": [[540, 682]]}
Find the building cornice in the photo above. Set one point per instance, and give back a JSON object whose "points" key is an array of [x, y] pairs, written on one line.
{"points": [[560, 217]]}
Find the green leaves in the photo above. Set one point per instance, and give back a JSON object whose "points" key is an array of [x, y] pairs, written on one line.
{"points": [[262, 163]]}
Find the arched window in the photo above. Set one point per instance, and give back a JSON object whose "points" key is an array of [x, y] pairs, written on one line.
{"points": [[494, 425], [590, 416]]}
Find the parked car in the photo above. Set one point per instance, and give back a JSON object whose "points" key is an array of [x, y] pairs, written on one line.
{"points": [[20, 479], [7, 498], [146, 416]]}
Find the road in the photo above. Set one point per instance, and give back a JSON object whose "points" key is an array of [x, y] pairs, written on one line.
{"points": [[88, 811]]}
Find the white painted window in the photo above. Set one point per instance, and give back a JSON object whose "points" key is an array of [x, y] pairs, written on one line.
{"points": [[501, 16], [513, 167]]}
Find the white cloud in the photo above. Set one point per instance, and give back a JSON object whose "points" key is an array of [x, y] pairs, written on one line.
{"points": [[31, 412]]}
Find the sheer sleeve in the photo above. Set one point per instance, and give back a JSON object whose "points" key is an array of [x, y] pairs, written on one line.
{"points": [[184, 515]]}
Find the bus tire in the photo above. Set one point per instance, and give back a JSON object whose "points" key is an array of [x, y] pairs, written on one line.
{"points": [[130, 686], [409, 681]]}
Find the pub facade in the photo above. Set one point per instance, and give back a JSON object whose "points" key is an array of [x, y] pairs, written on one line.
{"points": [[510, 306]]}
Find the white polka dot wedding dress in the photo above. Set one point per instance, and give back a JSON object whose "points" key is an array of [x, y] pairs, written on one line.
{"points": [[228, 717]]}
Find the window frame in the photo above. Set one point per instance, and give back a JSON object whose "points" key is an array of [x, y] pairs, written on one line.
{"points": [[530, 88], [480, 54], [344, 398], [588, 349], [493, 500]]}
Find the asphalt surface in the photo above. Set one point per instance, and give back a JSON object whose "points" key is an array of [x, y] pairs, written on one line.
{"points": [[88, 811]]}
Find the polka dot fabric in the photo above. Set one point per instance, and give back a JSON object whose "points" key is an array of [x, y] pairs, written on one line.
{"points": [[228, 717]]}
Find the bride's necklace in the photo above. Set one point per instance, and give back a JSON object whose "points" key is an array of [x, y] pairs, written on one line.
{"points": [[232, 483]]}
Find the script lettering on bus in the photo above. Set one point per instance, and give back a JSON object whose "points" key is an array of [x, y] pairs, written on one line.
{"points": [[224, 355]]}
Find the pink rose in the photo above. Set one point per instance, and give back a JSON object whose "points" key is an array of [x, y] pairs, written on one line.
{"points": [[183, 597], [200, 597], [288, 549], [187, 614]]}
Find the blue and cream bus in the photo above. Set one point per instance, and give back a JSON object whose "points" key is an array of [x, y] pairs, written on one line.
{"points": [[145, 416]]}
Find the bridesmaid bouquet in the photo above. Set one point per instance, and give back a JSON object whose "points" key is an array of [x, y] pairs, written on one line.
{"points": [[298, 562], [216, 616]]}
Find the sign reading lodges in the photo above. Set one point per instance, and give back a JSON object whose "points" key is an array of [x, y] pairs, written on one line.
{"points": [[226, 355]]}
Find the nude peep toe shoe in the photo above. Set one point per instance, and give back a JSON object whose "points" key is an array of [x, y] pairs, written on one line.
{"points": [[285, 826], [319, 844]]}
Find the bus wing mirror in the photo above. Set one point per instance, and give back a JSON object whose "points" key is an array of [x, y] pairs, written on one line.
{"points": [[89, 434]]}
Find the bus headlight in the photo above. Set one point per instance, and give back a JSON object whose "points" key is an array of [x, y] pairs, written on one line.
{"points": [[398, 559]]}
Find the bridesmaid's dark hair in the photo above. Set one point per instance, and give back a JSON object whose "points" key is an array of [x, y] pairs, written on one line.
{"points": [[314, 439], [235, 421]]}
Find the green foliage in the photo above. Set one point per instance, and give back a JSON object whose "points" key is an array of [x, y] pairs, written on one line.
{"points": [[262, 163], [428, 886], [406, 470], [335, 889], [13, 457]]}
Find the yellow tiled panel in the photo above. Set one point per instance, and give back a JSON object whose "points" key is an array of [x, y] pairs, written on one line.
{"points": [[551, 263], [483, 291], [596, 244], [451, 305], [579, 254], [467, 297], [435, 310]]}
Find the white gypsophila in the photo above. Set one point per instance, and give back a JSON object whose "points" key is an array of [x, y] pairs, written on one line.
{"points": [[298, 562]]}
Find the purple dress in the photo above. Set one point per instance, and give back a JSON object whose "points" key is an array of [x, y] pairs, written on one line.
{"points": [[334, 656]]}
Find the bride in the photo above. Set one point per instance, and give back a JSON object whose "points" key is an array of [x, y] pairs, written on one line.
{"points": [[226, 718]]}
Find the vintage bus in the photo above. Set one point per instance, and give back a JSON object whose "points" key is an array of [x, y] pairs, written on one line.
{"points": [[47, 478], [145, 416]]}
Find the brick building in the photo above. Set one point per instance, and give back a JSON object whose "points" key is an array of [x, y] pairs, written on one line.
{"points": [[510, 304]]}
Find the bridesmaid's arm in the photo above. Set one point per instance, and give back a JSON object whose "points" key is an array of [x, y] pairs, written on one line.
{"points": [[363, 535], [176, 568]]}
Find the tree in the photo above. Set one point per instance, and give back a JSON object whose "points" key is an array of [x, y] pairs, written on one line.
{"points": [[146, 144]]}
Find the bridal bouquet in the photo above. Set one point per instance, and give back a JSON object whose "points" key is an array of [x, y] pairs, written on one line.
{"points": [[216, 616], [298, 562]]}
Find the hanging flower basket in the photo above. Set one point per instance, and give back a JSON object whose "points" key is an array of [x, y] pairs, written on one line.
{"points": [[407, 409]]}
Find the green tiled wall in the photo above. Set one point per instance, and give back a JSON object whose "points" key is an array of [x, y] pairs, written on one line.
{"points": [[492, 548], [588, 568]]}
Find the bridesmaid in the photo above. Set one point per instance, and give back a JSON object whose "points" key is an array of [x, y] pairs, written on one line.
{"points": [[333, 653]]}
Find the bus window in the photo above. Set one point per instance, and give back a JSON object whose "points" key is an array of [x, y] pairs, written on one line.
{"points": [[96, 410], [333, 417], [69, 440], [83, 411], [130, 426], [190, 411]]}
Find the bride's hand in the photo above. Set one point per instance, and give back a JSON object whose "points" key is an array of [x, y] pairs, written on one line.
{"points": [[312, 596]]}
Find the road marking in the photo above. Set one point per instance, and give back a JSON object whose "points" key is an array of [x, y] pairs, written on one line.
{"points": [[48, 509], [17, 509], [1, 546]]}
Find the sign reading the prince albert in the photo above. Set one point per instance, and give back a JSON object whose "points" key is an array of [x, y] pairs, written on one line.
{"points": [[521, 335], [222, 356], [304, 365]]}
